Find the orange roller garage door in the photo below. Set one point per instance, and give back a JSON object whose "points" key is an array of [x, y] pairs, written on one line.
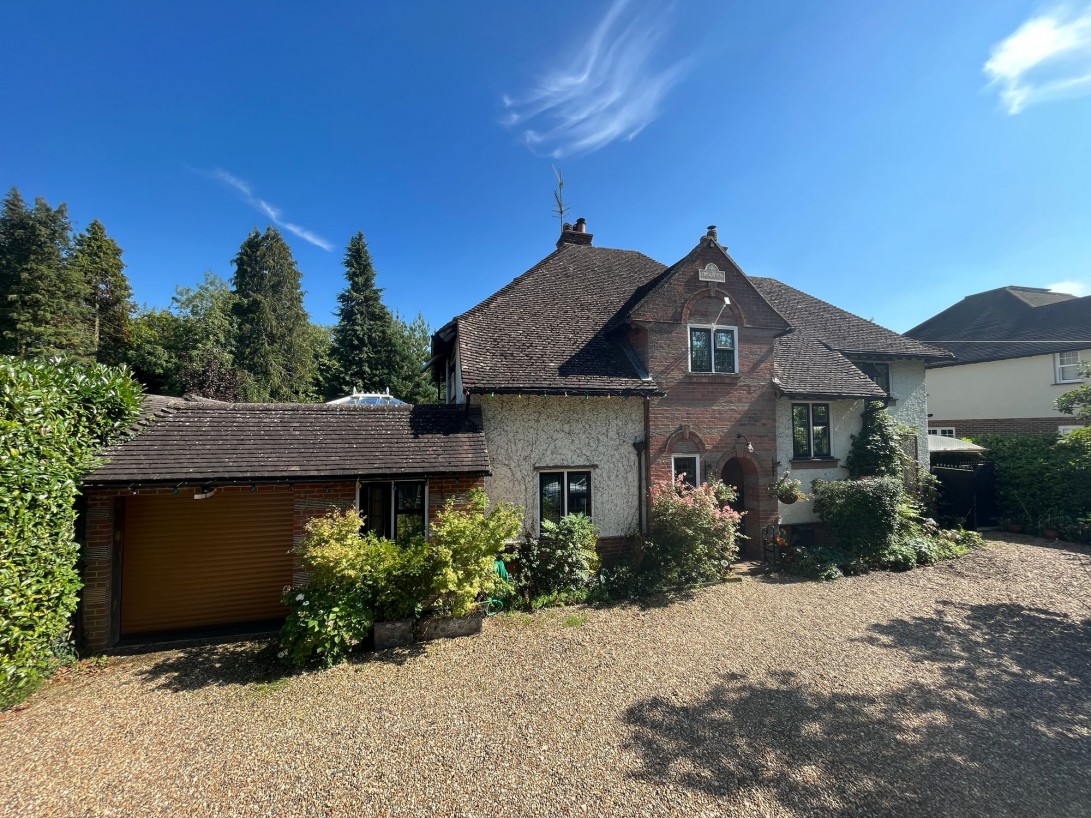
{"points": [[190, 563]]}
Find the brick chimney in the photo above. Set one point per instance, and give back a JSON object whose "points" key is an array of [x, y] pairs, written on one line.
{"points": [[575, 234]]}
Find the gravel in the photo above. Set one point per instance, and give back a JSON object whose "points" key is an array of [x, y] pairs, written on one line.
{"points": [[963, 689]]}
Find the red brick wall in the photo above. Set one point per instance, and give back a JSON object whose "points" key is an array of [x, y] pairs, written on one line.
{"points": [[97, 614], [1004, 426], [716, 408]]}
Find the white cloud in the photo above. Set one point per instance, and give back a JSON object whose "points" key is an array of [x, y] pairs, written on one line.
{"points": [[609, 91], [1072, 287], [272, 212], [1047, 57]]}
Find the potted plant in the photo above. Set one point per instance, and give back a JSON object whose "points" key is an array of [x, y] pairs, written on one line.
{"points": [[405, 577], [1016, 523], [787, 489], [1050, 525]]}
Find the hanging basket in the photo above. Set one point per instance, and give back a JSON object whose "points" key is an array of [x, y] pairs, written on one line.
{"points": [[787, 499]]}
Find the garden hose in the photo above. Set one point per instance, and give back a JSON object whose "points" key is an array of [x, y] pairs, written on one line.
{"points": [[495, 605]]}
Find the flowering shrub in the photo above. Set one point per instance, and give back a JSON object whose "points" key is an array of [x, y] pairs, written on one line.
{"points": [[561, 563], [693, 533], [470, 537]]}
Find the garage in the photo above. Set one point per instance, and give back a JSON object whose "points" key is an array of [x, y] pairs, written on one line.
{"points": [[189, 563]]}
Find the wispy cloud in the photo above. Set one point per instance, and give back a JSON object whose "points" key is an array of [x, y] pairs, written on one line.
{"points": [[1047, 57], [272, 212], [1072, 287], [610, 90]]}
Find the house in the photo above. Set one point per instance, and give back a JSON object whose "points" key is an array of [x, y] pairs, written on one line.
{"points": [[599, 372], [190, 523], [1014, 350]]}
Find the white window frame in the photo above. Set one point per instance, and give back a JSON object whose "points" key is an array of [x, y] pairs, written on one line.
{"points": [[1059, 366], [712, 348], [393, 502], [942, 431], [696, 457], [1067, 430]]}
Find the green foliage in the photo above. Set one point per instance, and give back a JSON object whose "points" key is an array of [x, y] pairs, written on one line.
{"points": [[55, 416], [861, 517], [1078, 401], [821, 562], [271, 344], [875, 451], [412, 349], [693, 534], [562, 562], [355, 580], [96, 259], [1040, 474], [473, 536]]}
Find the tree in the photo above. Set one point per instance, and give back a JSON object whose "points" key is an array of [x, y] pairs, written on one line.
{"points": [[413, 348], [96, 259], [365, 337], [272, 348], [1078, 401], [43, 299]]}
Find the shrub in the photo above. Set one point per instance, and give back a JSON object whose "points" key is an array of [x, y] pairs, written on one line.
{"points": [[899, 556], [472, 537], [861, 516], [562, 562], [693, 534], [875, 452], [54, 417], [819, 562]]}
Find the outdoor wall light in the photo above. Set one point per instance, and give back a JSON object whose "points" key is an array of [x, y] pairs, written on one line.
{"points": [[749, 445]]}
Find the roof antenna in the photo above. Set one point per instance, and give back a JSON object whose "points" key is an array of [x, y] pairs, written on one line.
{"points": [[558, 197]]}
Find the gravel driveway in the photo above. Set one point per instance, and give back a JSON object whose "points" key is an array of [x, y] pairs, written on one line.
{"points": [[963, 689]]}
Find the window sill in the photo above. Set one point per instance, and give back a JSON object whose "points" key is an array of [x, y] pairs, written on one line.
{"points": [[815, 463], [717, 374]]}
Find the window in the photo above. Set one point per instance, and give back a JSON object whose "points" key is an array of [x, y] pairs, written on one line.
{"points": [[1067, 430], [810, 430], [688, 465], [880, 373], [1068, 367], [942, 431], [393, 510], [563, 492], [712, 349]]}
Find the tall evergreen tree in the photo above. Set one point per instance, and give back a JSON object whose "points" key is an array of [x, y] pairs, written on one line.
{"points": [[97, 260], [364, 338], [413, 348], [272, 343], [43, 299]]}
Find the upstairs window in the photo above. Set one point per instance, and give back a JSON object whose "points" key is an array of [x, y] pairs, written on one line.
{"points": [[563, 492], [713, 349], [1068, 367], [810, 430], [942, 431], [879, 373]]}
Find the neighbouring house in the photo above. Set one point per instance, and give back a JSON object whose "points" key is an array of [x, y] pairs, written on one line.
{"points": [[190, 523], [1014, 350], [599, 372]]}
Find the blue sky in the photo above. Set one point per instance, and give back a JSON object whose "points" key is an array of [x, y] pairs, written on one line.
{"points": [[888, 157]]}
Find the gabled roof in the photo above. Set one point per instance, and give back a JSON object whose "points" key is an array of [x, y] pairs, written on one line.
{"points": [[1008, 322], [549, 329], [208, 441], [806, 368]]}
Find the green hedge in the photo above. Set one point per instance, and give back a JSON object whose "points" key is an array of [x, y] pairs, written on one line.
{"points": [[1038, 475], [54, 416], [861, 516]]}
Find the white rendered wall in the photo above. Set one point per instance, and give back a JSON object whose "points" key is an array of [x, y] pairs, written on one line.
{"points": [[1015, 388], [909, 407], [526, 435]]}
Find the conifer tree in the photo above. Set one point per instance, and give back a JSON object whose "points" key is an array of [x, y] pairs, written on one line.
{"points": [[272, 346], [364, 338], [413, 348], [96, 258], [43, 299]]}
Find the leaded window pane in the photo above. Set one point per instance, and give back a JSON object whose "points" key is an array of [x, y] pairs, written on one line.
{"points": [[686, 466], [801, 430], [550, 500], [700, 350], [579, 492]]}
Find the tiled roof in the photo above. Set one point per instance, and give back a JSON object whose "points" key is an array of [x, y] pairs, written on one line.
{"points": [[212, 441], [806, 368], [839, 329], [1009, 322], [549, 328]]}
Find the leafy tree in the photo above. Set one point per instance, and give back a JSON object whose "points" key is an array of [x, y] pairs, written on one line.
{"points": [[365, 338], [1078, 401], [272, 348], [96, 258], [43, 299], [152, 351]]}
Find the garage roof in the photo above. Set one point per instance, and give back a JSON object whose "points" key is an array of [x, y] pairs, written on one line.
{"points": [[208, 441]]}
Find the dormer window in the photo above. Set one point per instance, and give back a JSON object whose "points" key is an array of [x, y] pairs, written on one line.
{"points": [[713, 349], [879, 373]]}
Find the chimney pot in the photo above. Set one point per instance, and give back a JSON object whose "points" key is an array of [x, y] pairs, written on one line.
{"points": [[581, 225], [566, 226], [711, 234], [575, 234]]}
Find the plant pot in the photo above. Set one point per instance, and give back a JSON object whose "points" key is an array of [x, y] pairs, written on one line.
{"points": [[1015, 528], [393, 634], [452, 627], [787, 499], [1051, 533]]}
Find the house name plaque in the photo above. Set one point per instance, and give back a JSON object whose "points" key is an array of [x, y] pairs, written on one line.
{"points": [[710, 272]]}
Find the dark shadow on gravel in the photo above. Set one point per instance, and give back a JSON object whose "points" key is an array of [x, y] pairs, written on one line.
{"points": [[1008, 732], [237, 663]]}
